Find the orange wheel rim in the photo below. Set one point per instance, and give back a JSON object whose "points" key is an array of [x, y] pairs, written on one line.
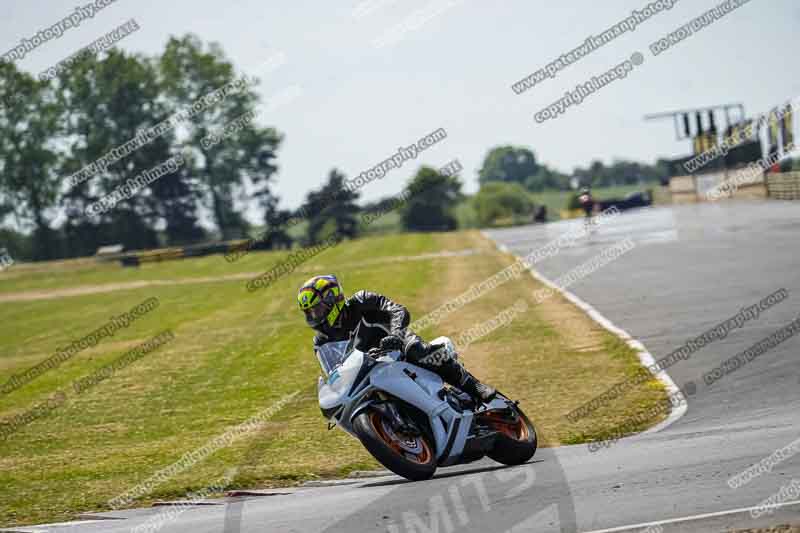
{"points": [[423, 456], [517, 430]]}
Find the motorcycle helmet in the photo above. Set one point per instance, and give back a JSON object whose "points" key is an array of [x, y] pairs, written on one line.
{"points": [[321, 299]]}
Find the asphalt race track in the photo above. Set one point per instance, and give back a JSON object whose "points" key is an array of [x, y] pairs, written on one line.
{"points": [[692, 267]]}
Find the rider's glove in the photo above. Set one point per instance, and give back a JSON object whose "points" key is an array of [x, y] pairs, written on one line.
{"points": [[392, 342]]}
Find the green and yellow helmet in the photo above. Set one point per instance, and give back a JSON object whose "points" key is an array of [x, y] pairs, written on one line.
{"points": [[321, 299]]}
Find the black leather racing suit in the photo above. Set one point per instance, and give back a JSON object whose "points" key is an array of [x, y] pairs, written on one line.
{"points": [[378, 316]]}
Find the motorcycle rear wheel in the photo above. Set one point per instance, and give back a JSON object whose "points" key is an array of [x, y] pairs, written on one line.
{"points": [[516, 440], [411, 457]]}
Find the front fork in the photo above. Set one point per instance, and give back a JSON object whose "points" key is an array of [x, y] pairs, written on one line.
{"points": [[399, 422]]}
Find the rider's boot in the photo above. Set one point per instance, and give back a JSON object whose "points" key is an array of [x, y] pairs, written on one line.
{"points": [[450, 369], [476, 389], [454, 373]]}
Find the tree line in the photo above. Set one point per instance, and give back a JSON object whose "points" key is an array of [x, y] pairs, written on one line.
{"points": [[77, 139], [61, 126], [518, 165], [114, 116], [511, 177]]}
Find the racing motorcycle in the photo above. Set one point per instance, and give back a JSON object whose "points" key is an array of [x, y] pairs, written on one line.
{"points": [[408, 419]]}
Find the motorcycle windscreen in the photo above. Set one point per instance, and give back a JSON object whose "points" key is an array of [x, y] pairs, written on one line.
{"points": [[332, 355]]}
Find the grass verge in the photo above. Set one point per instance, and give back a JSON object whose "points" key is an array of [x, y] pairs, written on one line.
{"points": [[236, 353]]}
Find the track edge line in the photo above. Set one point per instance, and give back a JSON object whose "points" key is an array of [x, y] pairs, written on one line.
{"points": [[645, 357]]}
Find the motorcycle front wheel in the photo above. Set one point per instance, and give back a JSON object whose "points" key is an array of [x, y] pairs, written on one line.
{"points": [[409, 456]]}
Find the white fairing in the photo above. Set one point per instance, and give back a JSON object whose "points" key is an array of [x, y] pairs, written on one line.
{"points": [[420, 392], [333, 391], [351, 386]]}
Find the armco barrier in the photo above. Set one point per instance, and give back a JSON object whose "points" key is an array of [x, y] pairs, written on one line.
{"points": [[134, 259]]}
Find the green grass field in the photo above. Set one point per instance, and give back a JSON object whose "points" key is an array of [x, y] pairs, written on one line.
{"points": [[236, 353]]}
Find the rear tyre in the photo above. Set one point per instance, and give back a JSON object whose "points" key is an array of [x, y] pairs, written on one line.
{"points": [[411, 457], [516, 440]]}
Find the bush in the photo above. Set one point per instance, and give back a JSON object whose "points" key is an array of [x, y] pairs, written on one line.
{"points": [[506, 202], [432, 198]]}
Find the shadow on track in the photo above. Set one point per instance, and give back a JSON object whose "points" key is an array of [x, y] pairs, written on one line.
{"points": [[486, 497], [446, 474], [497, 498]]}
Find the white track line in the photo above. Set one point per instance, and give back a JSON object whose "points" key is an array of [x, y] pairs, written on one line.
{"points": [[38, 528], [688, 518], [645, 356]]}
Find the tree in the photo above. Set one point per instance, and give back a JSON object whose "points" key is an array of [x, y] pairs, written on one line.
{"points": [[432, 197], [622, 172], [275, 225], [498, 201], [175, 199], [241, 159], [547, 179], [331, 210], [18, 245], [51, 130], [106, 102], [509, 164], [256, 165], [29, 182]]}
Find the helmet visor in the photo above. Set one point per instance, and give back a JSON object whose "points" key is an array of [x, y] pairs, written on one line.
{"points": [[316, 315]]}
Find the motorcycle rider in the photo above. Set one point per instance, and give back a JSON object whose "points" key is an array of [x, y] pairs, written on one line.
{"points": [[587, 202], [384, 325]]}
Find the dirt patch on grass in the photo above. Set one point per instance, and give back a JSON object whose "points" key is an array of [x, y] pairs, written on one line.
{"points": [[27, 296], [579, 331], [459, 276]]}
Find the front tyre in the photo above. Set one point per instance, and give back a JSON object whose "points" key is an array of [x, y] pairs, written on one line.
{"points": [[409, 456], [516, 439]]}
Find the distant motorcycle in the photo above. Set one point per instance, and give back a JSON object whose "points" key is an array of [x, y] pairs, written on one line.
{"points": [[409, 420]]}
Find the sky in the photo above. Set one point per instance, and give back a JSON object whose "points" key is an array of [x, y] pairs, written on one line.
{"points": [[368, 76]]}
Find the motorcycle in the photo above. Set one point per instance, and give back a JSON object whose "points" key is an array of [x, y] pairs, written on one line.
{"points": [[407, 418]]}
